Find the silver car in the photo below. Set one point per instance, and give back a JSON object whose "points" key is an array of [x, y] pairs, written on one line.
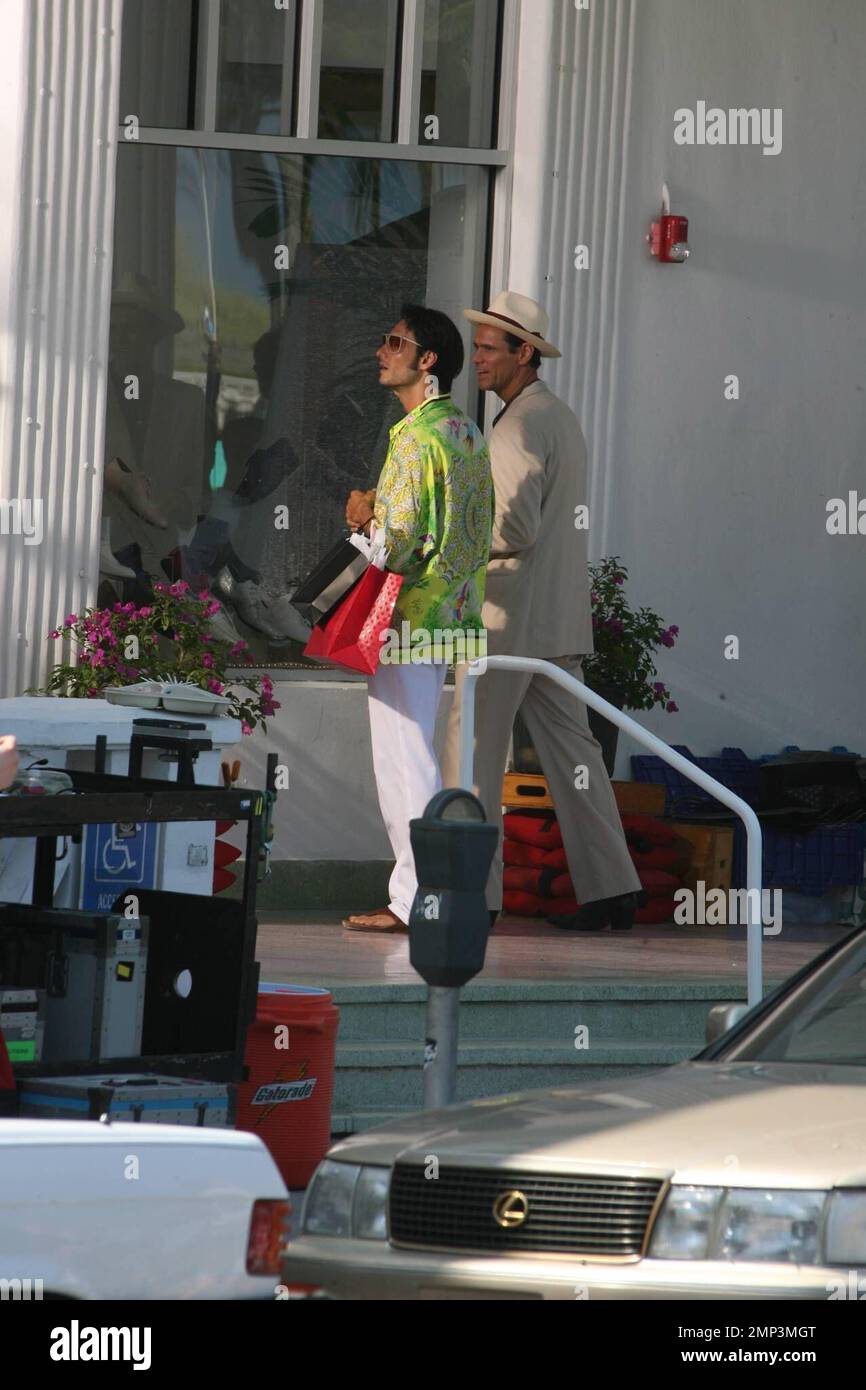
{"points": [[740, 1174]]}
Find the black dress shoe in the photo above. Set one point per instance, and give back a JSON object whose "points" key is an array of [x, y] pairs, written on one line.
{"points": [[616, 913]]}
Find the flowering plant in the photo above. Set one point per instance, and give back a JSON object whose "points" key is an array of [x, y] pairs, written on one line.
{"points": [[121, 645], [625, 641]]}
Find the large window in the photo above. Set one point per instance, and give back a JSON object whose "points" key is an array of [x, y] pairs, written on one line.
{"points": [[254, 276]]}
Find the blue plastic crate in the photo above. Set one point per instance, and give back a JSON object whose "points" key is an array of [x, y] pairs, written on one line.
{"points": [[732, 768], [828, 857]]}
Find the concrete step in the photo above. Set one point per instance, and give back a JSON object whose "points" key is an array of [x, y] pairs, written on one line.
{"points": [[612, 1011], [388, 1075], [514, 1036]]}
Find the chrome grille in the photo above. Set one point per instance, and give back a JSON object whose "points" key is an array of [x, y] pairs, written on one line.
{"points": [[599, 1216]]}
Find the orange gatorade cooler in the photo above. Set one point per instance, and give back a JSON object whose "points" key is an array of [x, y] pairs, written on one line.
{"points": [[287, 1099]]}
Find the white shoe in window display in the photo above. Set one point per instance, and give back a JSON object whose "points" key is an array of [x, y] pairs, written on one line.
{"points": [[135, 490], [260, 611], [108, 561], [286, 619]]}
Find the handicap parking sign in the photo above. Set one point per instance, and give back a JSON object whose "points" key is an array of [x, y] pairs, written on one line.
{"points": [[117, 858]]}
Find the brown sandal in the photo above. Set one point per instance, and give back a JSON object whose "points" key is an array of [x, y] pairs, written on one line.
{"points": [[383, 920]]}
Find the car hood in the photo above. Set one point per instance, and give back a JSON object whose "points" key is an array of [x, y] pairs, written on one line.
{"points": [[730, 1124]]}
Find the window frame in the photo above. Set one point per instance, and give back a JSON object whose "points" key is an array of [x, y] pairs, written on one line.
{"points": [[301, 81]]}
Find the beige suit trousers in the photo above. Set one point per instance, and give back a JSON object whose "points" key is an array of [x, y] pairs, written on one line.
{"points": [[598, 858]]}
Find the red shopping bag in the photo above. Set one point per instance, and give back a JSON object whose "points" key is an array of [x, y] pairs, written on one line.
{"points": [[351, 636]]}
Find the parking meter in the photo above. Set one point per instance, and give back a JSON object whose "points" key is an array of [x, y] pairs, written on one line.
{"points": [[453, 844]]}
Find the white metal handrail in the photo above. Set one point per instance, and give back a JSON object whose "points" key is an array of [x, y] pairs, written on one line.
{"points": [[475, 669]]}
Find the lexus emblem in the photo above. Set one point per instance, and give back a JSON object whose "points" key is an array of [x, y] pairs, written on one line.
{"points": [[510, 1210]]}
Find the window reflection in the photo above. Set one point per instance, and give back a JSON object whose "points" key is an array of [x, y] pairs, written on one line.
{"points": [[251, 292], [157, 39], [357, 77], [256, 59], [458, 72]]}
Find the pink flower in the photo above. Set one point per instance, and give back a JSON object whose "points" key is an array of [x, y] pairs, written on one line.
{"points": [[179, 586], [213, 607], [245, 727], [671, 707], [207, 660], [145, 612], [666, 639], [658, 687], [214, 686], [237, 650], [618, 579], [54, 635], [68, 622], [203, 593]]}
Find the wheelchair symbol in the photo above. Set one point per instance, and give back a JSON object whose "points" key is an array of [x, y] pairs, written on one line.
{"points": [[116, 858]]}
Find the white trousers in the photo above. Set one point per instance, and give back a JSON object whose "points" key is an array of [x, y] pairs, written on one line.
{"points": [[403, 701]]}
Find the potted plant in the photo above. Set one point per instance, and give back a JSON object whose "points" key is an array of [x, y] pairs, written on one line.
{"points": [[168, 638], [622, 667]]}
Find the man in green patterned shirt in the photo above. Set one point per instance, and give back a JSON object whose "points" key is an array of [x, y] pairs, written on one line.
{"points": [[434, 504]]}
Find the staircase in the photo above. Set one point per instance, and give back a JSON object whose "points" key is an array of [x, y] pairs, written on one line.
{"points": [[514, 1036]]}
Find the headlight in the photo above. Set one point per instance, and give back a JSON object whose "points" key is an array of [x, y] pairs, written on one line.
{"points": [[781, 1226], [369, 1211], [328, 1208], [347, 1200], [845, 1237], [683, 1230], [712, 1223]]}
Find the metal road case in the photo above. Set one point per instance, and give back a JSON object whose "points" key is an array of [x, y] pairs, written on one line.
{"points": [[93, 969], [197, 945], [165, 1100], [22, 1023]]}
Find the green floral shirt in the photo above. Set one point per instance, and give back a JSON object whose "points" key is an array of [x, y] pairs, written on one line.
{"points": [[435, 502]]}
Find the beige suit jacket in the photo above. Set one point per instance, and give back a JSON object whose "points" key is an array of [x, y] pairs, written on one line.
{"points": [[537, 596]]}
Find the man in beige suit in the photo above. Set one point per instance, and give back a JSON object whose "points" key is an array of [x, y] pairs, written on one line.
{"points": [[537, 604]]}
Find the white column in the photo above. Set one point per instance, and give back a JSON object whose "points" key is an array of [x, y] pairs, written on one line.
{"points": [[570, 169], [59, 72]]}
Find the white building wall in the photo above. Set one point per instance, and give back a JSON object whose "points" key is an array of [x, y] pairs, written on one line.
{"points": [[59, 68], [718, 507]]}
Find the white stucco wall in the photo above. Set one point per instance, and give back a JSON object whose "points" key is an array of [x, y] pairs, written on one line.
{"points": [[720, 506]]}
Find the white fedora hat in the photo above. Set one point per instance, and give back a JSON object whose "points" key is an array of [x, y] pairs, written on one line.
{"points": [[517, 314]]}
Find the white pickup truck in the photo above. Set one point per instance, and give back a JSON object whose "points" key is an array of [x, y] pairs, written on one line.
{"points": [[135, 1211]]}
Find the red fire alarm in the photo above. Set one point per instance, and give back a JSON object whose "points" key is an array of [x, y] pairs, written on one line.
{"points": [[668, 236]]}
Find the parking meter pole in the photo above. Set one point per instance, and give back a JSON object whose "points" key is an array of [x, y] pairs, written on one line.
{"points": [[467, 724], [440, 1052]]}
